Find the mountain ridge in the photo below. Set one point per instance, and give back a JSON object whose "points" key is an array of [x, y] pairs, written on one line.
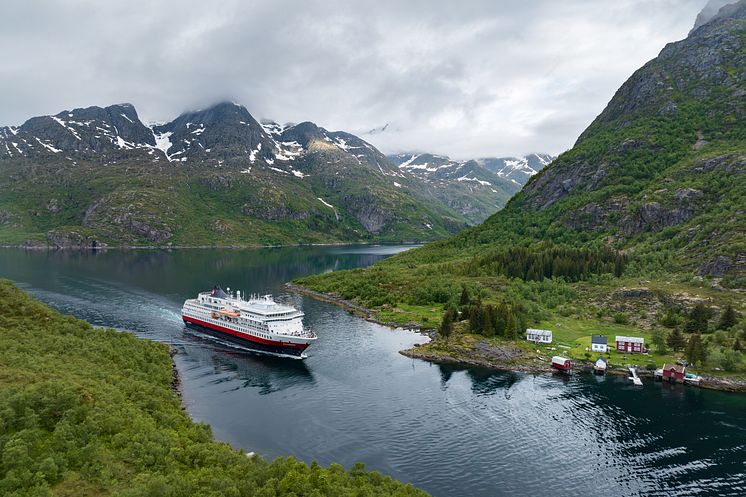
{"points": [[477, 188], [266, 183]]}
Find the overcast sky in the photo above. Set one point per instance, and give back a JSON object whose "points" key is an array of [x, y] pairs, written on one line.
{"points": [[463, 78]]}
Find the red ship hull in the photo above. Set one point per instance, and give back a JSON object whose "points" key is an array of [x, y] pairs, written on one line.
{"points": [[246, 340]]}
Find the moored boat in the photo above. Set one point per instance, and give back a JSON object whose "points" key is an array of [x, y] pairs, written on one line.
{"points": [[260, 323]]}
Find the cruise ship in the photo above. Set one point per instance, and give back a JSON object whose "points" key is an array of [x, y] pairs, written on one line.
{"points": [[258, 323]]}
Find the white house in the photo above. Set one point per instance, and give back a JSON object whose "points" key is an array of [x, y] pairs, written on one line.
{"points": [[538, 336], [599, 343]]}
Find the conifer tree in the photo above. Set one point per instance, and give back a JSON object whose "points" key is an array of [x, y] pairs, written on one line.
{"points": [[488, 321], [510, 327], [465, 299], [695, 350], [728, 319], [475, 319], [698, 319], [676, 340], [446, 325]]}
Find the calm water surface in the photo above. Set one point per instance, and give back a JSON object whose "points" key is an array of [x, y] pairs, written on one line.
{"points": [[452, 431]]}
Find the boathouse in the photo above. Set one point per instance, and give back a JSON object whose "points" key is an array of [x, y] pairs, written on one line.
{"points": [[600, 366], [673, 372], [539, 336], [599, 343], [561, 363], [635, 345]]}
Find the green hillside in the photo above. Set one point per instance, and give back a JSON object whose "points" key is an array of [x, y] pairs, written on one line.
{"points": [[644, 217], [133, 202], [96, 176], [87, 411]]}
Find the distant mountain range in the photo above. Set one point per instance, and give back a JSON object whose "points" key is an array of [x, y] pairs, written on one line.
{"points": [[95, 176], [477, 188]]}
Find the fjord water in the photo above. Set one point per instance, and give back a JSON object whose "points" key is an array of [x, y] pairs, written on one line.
{"points": [[452, 431]]}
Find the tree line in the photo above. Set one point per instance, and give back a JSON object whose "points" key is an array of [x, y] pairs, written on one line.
{"points": [[501, 320], [549, 261], [722, 347]]}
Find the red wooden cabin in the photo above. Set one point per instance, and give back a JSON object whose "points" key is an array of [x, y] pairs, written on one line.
{"points": [[630, 344]]}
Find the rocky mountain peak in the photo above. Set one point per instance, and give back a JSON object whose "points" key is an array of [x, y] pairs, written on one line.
{"points": [[218, 133], [104, 130], [685, 71], [303, 133], [709, 11]]}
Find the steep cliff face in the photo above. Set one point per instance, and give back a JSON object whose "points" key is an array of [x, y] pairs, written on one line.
{"points": [[659, 173]]}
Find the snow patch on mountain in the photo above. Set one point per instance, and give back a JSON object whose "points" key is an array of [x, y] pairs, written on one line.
{"points": [[163, 142]]}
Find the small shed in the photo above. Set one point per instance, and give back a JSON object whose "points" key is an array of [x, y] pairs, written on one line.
{"points": [[674, 372], [599, 343], [561, 363], [630, 344], [539, 336], [600, 366]]}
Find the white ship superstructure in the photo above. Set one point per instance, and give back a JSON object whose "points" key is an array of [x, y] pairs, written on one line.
{"points": [[259, 323]]}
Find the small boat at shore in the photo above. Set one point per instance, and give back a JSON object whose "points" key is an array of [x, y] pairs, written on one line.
{"points": [[692, 379]]}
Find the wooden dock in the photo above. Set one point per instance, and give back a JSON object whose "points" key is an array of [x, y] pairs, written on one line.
{"points": [[634, 378]]}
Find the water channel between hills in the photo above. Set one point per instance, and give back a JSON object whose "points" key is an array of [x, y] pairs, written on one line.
{"points": [[451, 431]]}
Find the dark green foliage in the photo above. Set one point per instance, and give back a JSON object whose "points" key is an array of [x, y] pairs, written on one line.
{"points": [[621, 318], [658, 339], [446, 325], [698, 319], [676, 340], [695, 350], [548, 261], [671, 318], [465, 298], [86, 412], [737, 345], [502, 321], [728, 319], [731, 360]]}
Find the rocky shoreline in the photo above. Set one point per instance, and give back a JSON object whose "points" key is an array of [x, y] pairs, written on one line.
{"points": [[354, 308], [498, 360]]}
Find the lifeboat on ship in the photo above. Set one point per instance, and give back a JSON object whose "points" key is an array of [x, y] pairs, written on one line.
{"points": [[225, 311]]}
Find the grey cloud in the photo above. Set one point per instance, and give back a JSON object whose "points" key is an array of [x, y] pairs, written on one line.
{"points": [[469, 78]]}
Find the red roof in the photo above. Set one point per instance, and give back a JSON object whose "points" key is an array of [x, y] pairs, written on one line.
{"points": [[674, 367]]}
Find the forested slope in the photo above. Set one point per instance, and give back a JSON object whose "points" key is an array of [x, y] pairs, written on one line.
{"points": [[87, 411]]}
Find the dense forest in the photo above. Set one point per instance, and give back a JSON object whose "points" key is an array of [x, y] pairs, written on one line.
{"points": [[548, 261], [87, 411]]}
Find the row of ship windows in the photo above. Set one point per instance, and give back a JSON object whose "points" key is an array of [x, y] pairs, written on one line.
{"points": [[198, 308], [232, 326]]}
